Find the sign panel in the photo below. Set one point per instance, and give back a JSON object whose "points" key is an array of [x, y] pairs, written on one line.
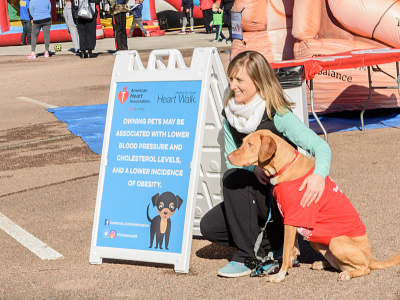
{"points": [[148, 165], [151, 157]]}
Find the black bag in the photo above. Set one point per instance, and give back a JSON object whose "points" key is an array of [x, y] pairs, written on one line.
{"points": [[290, 77]]}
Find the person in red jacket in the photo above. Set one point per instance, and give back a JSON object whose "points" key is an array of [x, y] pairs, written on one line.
{"points": [[206, 8]]}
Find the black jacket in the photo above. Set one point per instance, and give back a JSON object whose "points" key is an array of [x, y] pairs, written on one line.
{"points": [[227, 4], [75, 5]]}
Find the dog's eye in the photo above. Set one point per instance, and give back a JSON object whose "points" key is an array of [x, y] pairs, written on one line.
{"points": [[160, 206], [172, 207], [249, 144]]}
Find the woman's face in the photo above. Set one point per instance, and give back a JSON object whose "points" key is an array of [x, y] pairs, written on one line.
{"points": [[243, 87]]}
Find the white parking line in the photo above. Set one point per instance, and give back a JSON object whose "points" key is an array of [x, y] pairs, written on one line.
{"points": [[36, 102], [27, 240]]}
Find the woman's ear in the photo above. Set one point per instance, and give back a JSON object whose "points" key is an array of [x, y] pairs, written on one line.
{"points": [[267, 148]]}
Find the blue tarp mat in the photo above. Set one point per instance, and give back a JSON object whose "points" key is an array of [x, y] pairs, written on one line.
{"points": [[88, 122]]}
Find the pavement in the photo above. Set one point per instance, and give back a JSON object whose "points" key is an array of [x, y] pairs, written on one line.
{"points": [[140, 44], [48, 187]]}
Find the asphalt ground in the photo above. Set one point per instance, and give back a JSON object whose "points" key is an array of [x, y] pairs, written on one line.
{"points": [[48, 185]]}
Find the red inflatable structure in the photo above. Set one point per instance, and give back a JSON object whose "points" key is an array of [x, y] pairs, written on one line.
{"points": [[296, 29]]}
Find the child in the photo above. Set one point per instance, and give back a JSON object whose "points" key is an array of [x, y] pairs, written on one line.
{"points": [[217, 22], [26, 22], [187, 13], [137, 19]]}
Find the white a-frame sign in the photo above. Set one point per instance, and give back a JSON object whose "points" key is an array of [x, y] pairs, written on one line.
{"points": [[150, 162]]}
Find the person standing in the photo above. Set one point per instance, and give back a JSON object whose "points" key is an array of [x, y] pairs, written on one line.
{"points": [[187, 13], [118, 9], [206, 8], [86, 28], [40, 11], [256, 101], [217, 22], [137, 19], [227, 5], [71, 26], [26, 22]]}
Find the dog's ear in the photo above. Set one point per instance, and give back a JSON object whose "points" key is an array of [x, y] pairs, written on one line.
{"points": [[154, 199], [267, 148], [179, 201]]}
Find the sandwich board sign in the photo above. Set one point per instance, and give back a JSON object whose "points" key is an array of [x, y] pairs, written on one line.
{"points": [[150, 162]]}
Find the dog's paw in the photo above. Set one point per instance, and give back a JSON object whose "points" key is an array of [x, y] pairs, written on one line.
{"points": [[277, 277], [317, 265], [344, 276]]}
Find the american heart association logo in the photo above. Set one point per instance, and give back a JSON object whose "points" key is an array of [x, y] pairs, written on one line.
{"points": [[123, 95]]}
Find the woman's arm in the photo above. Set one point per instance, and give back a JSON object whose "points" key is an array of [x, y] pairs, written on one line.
{"points": [[296, 131]]}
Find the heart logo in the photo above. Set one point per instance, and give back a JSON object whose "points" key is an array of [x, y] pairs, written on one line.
{"points": [[123, 95]]}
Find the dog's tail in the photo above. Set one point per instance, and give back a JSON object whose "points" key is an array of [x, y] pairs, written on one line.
{"points": [[394, 261], [148, 217]]}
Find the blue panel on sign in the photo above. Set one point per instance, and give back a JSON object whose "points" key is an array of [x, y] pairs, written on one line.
{"points": [[147, 175]]}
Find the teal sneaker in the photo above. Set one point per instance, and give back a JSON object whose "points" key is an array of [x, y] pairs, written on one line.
{"points": [[234, 269]]}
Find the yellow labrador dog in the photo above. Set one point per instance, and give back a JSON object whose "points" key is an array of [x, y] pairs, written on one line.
{"points": [[332, 225]]}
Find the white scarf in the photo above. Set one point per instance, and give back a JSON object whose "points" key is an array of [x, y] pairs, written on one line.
{"points": [[245, 117]]}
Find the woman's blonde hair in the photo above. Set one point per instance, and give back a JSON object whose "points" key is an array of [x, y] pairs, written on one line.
{"points": [[263, 76]]}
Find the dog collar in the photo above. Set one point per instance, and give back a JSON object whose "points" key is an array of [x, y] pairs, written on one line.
{"points": [[286, 166]]}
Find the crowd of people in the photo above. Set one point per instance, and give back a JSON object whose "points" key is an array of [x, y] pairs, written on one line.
{"points": [[35, 16]]}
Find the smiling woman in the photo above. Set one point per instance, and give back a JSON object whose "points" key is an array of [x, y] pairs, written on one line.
{"points": [[256, 101]]}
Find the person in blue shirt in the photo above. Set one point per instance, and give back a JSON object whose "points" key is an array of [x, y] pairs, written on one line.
{"points": [[137, 19], [40, 11], [26, 22]]}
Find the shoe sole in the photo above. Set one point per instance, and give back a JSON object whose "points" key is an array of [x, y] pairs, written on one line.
{"points": [[245, 273]]}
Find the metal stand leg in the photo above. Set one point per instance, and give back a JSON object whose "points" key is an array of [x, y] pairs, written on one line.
{"points": [[371, 88], [369, 98], [313, 110]]}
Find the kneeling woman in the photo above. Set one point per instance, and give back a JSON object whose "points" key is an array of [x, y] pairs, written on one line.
{"points": [[256, 101]]}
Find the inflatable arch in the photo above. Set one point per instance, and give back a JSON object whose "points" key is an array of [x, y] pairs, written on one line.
{"points": [[287, 29]]}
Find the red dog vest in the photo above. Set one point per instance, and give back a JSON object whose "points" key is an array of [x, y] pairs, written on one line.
{"points": [[331, 217]]}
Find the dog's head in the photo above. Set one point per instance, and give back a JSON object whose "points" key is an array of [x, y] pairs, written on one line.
{"points": [[256, 149], [166, 204], [264, 149]]}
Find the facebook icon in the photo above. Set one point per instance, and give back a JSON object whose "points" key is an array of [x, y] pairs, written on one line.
{"points": [[107, 222]]}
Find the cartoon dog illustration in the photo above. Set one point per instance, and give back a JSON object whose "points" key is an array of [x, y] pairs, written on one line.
{"points": [[160, 226]]}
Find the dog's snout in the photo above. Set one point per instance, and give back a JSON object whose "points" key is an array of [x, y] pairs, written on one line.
{"points": [[165, 212]]}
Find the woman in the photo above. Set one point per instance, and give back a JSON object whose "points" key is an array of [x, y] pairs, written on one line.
{"points": [[71, 26], [256, 101], [40, 11], [86, 29]]}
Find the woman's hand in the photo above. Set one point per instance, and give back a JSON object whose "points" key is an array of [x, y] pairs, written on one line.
{"points": [[315, 187], [261, 176]]}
